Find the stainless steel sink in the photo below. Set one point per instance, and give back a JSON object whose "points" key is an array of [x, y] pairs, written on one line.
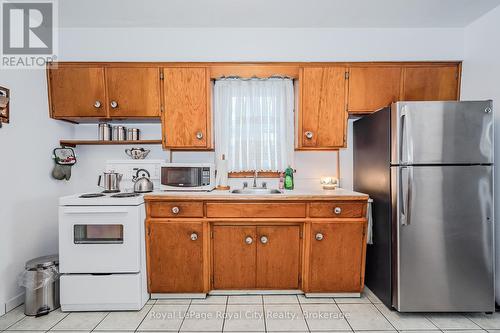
{"points": [[256, 190]]}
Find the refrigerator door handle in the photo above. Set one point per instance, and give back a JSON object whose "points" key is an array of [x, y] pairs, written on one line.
{"points": [[405, 138], [405, 194]]}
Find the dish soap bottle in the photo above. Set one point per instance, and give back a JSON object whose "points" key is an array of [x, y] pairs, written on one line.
{"points": [[289, 178]]}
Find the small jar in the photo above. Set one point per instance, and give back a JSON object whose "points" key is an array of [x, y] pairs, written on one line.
{"points": [[133, 134], [104, 132], [119, 133]]}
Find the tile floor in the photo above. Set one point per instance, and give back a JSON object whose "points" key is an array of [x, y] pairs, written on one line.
{"points": [[255, 314]]}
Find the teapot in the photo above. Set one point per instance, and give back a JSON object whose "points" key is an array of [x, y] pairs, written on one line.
{"points": [[137, 153]]}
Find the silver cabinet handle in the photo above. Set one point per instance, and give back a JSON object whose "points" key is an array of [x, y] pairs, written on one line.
{"points": [[309, 135], [319, 236], [194, 236], [199, 135], [249, 240], [114, 104], [264, 239], [337, 210], [97, 104], [175, 210]]}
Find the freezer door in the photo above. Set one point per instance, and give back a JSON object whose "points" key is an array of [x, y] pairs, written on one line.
{"points": [[444, 238], [442, 133]]}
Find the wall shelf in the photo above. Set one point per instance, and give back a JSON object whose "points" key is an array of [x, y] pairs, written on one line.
{"points": [[74, 143]]}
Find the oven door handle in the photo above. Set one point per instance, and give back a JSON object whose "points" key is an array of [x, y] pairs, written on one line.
{"points": [[88, 210]]}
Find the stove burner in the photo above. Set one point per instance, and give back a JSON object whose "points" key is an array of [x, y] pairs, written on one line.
{"points": [[125, 195], [110, 191], [91, 195]]}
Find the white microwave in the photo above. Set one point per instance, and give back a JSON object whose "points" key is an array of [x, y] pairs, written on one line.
{"points": [[187, 176]]}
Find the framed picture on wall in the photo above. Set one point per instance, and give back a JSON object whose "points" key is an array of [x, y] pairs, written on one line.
{"points": [[4, 104]]}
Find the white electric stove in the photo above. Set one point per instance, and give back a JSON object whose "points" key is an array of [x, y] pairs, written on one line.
{"points": [[102, 252]]}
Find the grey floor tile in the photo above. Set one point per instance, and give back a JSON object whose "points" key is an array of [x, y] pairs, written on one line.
{"points": [[164, 318], [371, 296], [280, 299], [451, 321], [424, 331], [464, 331], [486, 321], [394, 331], [352, 300], [204, 318], [211, 300], [43, 323], [315, 300], [11, 317], [244, 318], [80, 321], [324, 317], [27, 331], [365, 317], [406, 321], [247, 299], [123, 320], [182, 301], [284, 317]]}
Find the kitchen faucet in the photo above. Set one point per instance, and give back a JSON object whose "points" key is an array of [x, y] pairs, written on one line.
{"points": [[256, 173]]}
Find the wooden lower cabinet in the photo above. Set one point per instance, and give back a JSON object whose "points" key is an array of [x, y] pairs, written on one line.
{"points": [[234, 260], [337, 256], [175, 257], [256, 257]]}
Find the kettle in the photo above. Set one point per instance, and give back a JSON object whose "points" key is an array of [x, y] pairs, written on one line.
{"points": [[111, 181], [142, 183]]}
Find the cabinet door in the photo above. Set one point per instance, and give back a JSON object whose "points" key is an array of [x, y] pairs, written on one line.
{"points": [[278, 257], [175, 257], [77, 92], [372, 88], [186, 116], [336, 257], [234, 260], [436, 83], [323, 112], [133, 91]]}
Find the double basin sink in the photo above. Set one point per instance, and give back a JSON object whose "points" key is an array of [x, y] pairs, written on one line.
{"points": [[256, 190]]}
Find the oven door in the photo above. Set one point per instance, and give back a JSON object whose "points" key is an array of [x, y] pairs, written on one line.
{"points": [[100, 239], [181, 176]]}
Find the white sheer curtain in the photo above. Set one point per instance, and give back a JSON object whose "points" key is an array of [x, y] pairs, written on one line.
{"points": [[254, 123]]}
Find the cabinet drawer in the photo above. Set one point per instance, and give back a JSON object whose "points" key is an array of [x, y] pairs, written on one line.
{"points": [[256, 210], [176, 209], [337, 209]]}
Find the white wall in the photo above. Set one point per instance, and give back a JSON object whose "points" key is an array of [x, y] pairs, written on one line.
{"points": [[28, 195], [29, 218], [480, 80]]}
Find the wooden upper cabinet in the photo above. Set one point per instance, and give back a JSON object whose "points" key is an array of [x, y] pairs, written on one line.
{"points": [[186, 118], [323, 116], [133, 91], [175, 257], [77, 92], [431, 83], [342, 269], [372, 88]]}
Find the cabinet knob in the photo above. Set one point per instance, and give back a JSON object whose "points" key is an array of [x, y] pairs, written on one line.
{"points": [[199, 135], [309, 135], [264, 239], [249, 240], [97, 104], [319, 236], [114, 104], [337, 210], [175, 210], [194, 236]]}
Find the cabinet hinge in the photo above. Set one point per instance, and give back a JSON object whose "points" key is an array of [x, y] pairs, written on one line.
{"points": [[149, 231], [347, 75], [211, 234], [300, 279], [161, 76], [161, 109], [301, 234], [212, 280]]}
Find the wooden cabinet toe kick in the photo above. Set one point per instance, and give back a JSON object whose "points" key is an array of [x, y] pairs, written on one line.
{"points": [[199, 247]]}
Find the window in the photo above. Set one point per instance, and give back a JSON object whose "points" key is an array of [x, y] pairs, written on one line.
{"points": [[254, 123]]}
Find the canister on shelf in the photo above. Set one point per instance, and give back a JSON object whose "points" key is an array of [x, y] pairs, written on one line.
{"points": [[133, 134], [104, 132], [119, 133]]}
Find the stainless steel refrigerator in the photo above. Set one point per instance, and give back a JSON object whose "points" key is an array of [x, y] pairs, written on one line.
{"points": [[428, 166]]}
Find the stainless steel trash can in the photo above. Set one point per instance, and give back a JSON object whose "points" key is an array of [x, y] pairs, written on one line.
{"points": [[41, 281]]}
